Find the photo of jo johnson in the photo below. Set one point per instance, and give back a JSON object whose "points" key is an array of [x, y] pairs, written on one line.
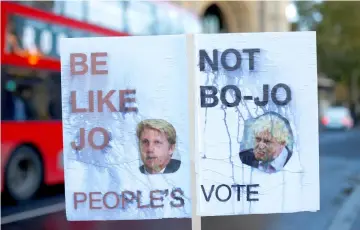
{"points": [[270, 152], [157, 142]]}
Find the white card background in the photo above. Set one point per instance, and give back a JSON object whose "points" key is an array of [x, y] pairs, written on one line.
{"points": [[288, 58], [156, 68]]}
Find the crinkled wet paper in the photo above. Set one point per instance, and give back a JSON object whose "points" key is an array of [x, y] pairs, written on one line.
{"points": [[235, 174]]}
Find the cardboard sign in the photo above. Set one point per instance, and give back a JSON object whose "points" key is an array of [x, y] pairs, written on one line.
{"points": [[174, 126], [258, 124], [126, 128]]}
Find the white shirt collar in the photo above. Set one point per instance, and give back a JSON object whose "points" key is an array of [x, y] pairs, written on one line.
{"points": [[279, 162], [147, 173]]}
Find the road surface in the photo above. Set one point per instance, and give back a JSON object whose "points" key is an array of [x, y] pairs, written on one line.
{"points": [[339, 176]]}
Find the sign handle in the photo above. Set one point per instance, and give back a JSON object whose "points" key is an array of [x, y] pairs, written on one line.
{"points": [[193, 116]]}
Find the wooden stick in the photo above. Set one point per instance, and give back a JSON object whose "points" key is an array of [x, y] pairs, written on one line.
{"points": [[191, 65]]}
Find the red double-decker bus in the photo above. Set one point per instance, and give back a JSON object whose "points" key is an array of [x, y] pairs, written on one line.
{"points": [[31, 128]]}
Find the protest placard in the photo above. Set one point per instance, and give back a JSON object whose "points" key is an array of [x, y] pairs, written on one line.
{"points": [[258, 124], [126, 128], [184, 125]]}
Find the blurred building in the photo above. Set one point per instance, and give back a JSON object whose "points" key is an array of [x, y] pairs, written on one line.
{"points": [[217, 16], [240, 16]]}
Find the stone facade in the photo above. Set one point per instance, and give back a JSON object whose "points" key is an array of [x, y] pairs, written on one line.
{"points": [[240, 16]]}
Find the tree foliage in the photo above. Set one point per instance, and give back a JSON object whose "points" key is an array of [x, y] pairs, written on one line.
{"points": [[337, 24]]}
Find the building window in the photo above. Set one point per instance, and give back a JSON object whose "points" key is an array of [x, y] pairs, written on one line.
{"points": [[213, 20]]}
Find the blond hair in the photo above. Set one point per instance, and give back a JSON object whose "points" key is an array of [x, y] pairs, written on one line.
{"points": [[160, 125], [274, 125]]}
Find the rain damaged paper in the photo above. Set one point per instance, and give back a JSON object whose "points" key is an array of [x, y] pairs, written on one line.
{"points": [[258, 123], [126, 128]]}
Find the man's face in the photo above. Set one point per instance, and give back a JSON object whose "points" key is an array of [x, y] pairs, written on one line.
{"points": [[266, 147], [155, 149]]}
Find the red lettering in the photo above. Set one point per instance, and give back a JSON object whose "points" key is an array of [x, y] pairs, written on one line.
{"points": [[96, 63], [114, 194], [80, 59], [81, 63], [92, 200], [91, 139], [138, 199], [91, 101], [82, 141], [97, 200], [152, 199], [177, 194], [105, 100], [74, 109], [126, 199], [78, 200]]}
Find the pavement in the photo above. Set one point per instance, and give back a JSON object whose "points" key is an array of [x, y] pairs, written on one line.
{"points": [[339, 201], [348, 214]]}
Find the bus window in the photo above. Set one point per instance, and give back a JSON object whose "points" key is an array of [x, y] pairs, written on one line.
{"points": [[13, 41], [17, 103], [41, 5], [7, 89], [30, 94], [54, 86]]}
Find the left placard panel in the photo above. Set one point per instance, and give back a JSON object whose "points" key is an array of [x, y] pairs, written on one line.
{"points": [[126, 128]]}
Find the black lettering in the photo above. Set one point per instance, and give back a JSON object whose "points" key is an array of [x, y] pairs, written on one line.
{"points": [[251, 56], [237, 56], [207, 198], [288, 94], [214, 64], [238, 186], [248, 192], [217, 193], [265, 97], [213, 91], [237, 96]]}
